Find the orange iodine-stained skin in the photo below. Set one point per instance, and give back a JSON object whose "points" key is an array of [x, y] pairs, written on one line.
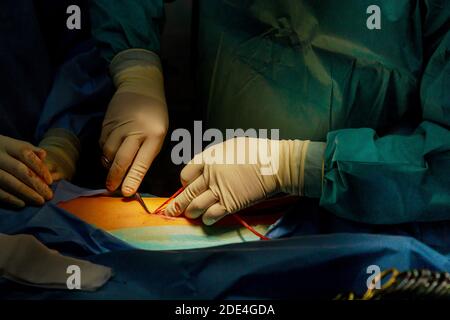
{"points": [[112, 213]]}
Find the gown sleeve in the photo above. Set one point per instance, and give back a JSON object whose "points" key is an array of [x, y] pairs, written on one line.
{"points": [[126, 24], [401, 177]]}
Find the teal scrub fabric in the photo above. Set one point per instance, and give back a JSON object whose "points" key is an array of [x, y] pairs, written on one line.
{"points": [[315, 71], [121, 25]]}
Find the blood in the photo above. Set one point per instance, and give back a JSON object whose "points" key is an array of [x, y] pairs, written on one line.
{"points": [[160, 211]]}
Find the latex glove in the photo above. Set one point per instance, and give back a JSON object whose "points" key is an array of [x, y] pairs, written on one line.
{"points": [[136, 122], [63, 150], [24, 178], [215, 190]]}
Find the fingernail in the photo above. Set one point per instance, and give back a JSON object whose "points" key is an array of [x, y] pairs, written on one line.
{"points": [[39, 201], [48, 178], [109, 185], [17, 204], [41, 153], [209, 221], [127, 191], [49, 194]]}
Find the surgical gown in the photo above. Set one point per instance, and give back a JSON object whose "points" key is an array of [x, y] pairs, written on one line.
{"points": [[378, 99]]}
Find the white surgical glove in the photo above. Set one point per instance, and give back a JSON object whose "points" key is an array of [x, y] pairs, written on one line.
{"points": [[136, 122], [214, 189], [24, 177]]}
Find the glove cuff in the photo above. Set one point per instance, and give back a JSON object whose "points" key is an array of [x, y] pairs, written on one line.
{"points": [[64, 146], [138, 71], [292, 160], [301, 167]]}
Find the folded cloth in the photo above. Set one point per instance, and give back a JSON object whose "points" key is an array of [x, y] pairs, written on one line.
{"points": [[25, 260]]}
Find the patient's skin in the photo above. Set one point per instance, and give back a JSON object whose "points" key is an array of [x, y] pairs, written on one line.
{"points": [[111, 213]]}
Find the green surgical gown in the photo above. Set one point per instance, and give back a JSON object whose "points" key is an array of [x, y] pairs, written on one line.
{"points": [[377, 99]]}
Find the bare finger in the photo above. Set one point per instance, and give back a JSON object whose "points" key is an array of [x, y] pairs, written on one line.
{"points": [[11, 184], [27, 176], [8, 198], [28, 155]]}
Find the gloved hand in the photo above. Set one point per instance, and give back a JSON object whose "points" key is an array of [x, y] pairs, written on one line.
{"points": [[63, 150], [136, 122], [24, 178], [215, 190]]}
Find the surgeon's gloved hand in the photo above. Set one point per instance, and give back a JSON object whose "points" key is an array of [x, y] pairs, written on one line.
{"points": [[240, 172], [63, 150], [136, 122], [24, 178]]}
